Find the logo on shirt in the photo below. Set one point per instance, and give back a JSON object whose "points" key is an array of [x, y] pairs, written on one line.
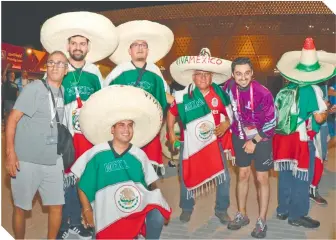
{"points": [[204, 130], [214, 102], [127, 198], [248, 106]]}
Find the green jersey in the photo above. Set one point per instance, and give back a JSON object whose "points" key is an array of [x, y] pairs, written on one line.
{"points": [[152, 80]]}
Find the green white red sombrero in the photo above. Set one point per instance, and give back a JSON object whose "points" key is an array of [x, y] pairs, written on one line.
{"points": [[159, 38], [183, 68], [307, 66], [100, 31], [116, 103]]}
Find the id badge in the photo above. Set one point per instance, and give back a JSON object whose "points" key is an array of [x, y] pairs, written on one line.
{"points": [[50, 140], [250, 132]]}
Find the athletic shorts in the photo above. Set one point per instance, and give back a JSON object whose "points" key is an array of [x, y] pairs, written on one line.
{"points": [[47, 179], [262, 156]]}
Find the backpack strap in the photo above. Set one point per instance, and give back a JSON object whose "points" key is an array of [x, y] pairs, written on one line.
{"points": [[141, 72]]}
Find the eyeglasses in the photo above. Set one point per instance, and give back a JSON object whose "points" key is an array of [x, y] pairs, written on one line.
{"points": [[206, 75], [140, 45], [51, 63]]}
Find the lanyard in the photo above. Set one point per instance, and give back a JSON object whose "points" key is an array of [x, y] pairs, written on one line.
{"points": [[52, 103], [251, 100]]}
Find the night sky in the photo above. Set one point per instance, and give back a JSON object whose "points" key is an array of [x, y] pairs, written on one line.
{"points": [[21, 21]]}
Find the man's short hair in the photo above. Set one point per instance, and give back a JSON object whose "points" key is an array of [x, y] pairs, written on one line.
{"points": [[57, 52], [78, 36], [241, 61], [123, 120]]}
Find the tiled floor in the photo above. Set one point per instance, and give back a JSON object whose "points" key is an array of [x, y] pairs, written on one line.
{"points": [[203, 223]]}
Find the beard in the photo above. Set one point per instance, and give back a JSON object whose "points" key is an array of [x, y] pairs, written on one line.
{"points": [[78, 57], [140, 59]]}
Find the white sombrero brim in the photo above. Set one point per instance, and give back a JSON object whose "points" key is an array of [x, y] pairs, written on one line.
{"points": [[98, 29], [115, 103], [183, 68], [327, 57], [159, 38], [287, 67]]}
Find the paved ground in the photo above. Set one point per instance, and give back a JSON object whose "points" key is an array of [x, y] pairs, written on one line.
{"points": [[203, 224]]}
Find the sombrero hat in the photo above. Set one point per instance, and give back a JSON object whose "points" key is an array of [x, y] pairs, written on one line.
{"points": [[98, 29], [116, 103], [159, 38], [183, 68], [305, 67], [326, 57]]}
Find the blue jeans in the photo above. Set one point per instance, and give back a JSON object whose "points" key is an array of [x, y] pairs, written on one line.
{"points": [[293, 196], [331, 120], [71, 213], [293, 193], [154, 224], [222, 193]]}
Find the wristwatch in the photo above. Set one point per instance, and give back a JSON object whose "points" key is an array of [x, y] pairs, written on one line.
{"points": [[254, 141]]}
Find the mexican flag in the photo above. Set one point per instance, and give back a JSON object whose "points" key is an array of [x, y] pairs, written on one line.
{"points": [[291, 152], [117, 190], [202, 161]]}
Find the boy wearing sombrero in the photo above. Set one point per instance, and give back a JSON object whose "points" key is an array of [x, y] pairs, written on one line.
{"points": [[297, 154], [204, 110], [115, 177], [87, 38], [142, 43]]}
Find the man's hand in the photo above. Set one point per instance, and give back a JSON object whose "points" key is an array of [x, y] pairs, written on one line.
{"points": [[221, 128], [321, 117], [249, 147], [172, 139], [12, 163], [88, 218], [332, 109], [153, 186], [170, 98]]}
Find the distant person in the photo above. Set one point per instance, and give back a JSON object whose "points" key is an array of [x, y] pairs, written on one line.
{"points": [[332, 109], [22, 81], [9, 92]]}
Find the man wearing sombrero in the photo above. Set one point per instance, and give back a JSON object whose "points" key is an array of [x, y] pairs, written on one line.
{"points": [[252, 131], [204, 110], [142, 43], [116, 179], [297, 154], [87, 38], [322, 135]]}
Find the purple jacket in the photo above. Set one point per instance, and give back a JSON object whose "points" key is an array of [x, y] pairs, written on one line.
{"points": [[264, 117]]}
